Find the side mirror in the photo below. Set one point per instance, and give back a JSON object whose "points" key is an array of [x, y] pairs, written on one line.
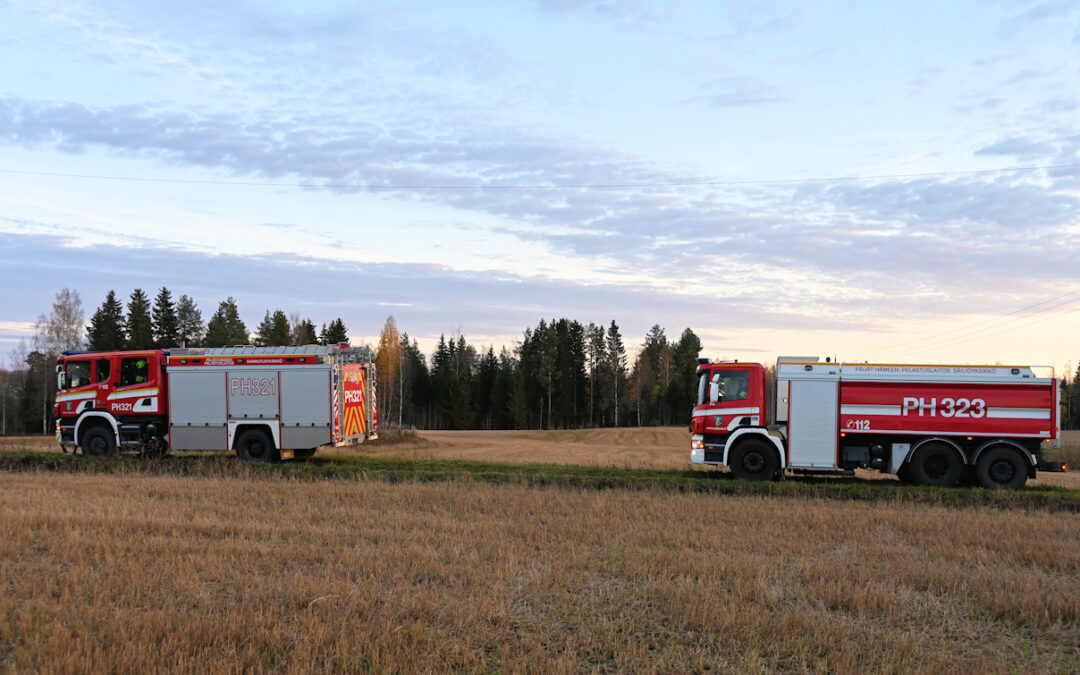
{"points": [[714, 392]]}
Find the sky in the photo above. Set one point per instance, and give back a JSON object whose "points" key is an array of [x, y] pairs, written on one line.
{"points": [[873, 181]]}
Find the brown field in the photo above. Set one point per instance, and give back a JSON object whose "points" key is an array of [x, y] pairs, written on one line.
{"points": [[649, 447], [126, 573]]}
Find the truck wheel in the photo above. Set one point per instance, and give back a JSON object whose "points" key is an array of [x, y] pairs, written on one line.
{"points": [[935, 464], [1001, 469], [754, 460], [255, 445], [99, 442]]}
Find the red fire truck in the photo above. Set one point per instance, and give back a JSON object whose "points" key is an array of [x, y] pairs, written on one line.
{"points": [[264, 403], [932, 425]]}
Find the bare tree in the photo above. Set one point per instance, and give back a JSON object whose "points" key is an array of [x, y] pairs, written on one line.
{"points": [[62, 329]]}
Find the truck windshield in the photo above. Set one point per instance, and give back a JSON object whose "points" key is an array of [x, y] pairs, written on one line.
{"points": [[703, 387]]}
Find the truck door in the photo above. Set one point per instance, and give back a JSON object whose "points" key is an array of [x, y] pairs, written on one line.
{"points": [[731, 401], [136, 390]]}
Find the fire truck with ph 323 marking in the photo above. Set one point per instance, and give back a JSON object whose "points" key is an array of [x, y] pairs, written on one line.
{"points": [[929, 425], [264, 403]]}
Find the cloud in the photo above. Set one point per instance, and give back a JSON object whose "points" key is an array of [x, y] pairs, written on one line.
{"points": [[857, 236], [1021, 148], [426, 300], [1050, 10], [728, 92], [610, 9]]}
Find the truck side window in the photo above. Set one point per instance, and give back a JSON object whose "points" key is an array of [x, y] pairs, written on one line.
{"points": [[77, 374], [734, 385], [103, 371], [133, 371]]}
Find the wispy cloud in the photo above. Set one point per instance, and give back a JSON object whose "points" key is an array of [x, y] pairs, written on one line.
{"points": [[1021, 148], [727, 92], [924, 229]]}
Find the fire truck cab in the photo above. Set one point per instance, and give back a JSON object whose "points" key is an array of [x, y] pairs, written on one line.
{"points": [[117, 394]]}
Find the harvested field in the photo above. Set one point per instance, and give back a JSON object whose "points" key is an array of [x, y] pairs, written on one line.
{"points": [[649, 447], [139, 573], [633, 448]]}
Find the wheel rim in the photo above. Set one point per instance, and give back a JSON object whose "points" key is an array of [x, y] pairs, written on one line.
{"points": [[936, 466], [1002, 471], [753, 462], [256, 449], [97, 446]]}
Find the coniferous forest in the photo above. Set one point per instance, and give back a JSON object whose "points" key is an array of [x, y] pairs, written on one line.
{"points": [[561, 373]]}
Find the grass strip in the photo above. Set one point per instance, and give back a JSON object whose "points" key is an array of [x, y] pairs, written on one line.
{"points": [[402, 469]]}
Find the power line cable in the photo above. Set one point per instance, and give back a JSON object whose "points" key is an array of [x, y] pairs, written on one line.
{"points": [[569, 186], [1004, 318], [965, 338], [1012, 328]]}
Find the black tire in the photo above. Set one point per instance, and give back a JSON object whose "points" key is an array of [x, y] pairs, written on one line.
{"points": [[255, 445], [754, 459], [935, 464], [305, 453], [1001, 468], [98, 442]]}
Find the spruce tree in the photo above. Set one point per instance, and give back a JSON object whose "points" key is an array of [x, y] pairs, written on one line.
{"points": [[274, 330], [139, 326], [189, 324], [106, 329], [616, 353], [335, 333], [303, 333], [166, 324], [225, 327]]}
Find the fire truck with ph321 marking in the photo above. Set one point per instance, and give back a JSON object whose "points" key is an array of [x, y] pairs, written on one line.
{"points": [[929, 425], [264, 403]]}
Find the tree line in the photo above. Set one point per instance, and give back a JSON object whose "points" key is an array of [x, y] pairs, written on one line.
{"points": [[1070, 399], [28, 385], [561, 374], [180, 324]]}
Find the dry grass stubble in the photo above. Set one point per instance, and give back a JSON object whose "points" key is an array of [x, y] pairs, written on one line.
{"points": [[134, 573]]}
